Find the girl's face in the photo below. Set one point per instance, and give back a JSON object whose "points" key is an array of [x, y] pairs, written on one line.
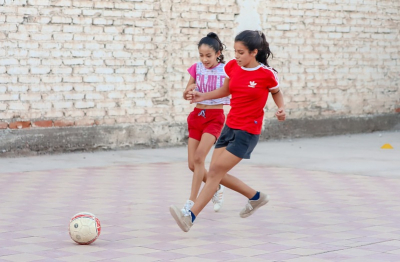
{"points": [[208, 56], [244, 57]]}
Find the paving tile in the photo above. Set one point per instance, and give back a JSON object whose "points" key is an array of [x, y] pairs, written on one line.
{"points": [[312, 216]]}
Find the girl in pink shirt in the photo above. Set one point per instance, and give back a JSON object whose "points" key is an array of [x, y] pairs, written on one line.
{"points": [[205, 122]]}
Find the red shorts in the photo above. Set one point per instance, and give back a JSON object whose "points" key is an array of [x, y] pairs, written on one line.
{"points": [[202, 121]]}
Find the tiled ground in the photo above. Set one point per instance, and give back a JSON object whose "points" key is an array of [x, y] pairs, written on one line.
{"points": [[313, 216]]}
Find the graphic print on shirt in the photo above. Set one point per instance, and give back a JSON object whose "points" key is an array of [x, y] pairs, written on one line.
{"points": [[208, 83], [252, 84], [208, 80]]}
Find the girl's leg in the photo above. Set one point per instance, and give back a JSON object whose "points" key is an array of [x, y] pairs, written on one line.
{"points": [[230, 181], [192, 146], [221, 164], [199, 156]]}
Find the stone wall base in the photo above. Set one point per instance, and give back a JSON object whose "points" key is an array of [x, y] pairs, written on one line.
{"points": [[66, 139]]}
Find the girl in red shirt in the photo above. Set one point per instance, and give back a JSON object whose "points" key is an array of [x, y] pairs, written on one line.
{"points": [[249, 80]]}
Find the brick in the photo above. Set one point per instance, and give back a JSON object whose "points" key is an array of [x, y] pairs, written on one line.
{"points": [[27, 11], [51, 79], [102, 21], [18, 106], [115, 46], [29, 79], [63, 123], [53, 114], [18, 70], [3, 125], [30, 97], [83, 37], [40, 70], [104, 70], [61, 105], [42, 123], [83, 105], [109, 5], [8, 27], [122, 54], [41, 37], [103, 37], [82, 4], [83, 20], [20, 125], [39, 2], [114, 79], [14, 19], [106, 121], [53, 97], [62, 3], [74, 96], [81, 53], [397, 110], [38, 53], [42, 20], [84, 122], [41, 105], [116, 112], [73, 61], [105, 88], [95, 112], [92, 79], [127, 6], [8, 61], [144, 23], [115, 13], [72, 29], [83, 70], [40, 88], [94, 96], [63, 37], [61, 70]]}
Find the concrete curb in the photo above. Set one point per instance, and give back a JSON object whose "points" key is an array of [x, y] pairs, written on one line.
{"points": [[66, 139]]}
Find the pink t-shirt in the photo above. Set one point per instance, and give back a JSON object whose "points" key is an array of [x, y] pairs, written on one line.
{"points": [[208, 80]]}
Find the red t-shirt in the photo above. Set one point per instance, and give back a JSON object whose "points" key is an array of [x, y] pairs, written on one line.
{"points": [[249, 88]]}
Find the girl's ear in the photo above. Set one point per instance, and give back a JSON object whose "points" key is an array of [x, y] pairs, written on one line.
{"points": [[254, 52], [218, 53]]}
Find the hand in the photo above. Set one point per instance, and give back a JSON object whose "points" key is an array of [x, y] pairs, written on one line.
{"points": [[196, 96], [186, 95], [280, 114]]}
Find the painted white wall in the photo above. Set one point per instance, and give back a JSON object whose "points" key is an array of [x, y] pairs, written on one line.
{"points": [[249, 18]]}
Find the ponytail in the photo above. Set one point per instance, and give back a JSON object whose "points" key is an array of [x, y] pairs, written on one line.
{"points": [[215, 43], [256, 40]]}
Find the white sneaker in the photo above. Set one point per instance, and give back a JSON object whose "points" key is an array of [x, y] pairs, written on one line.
{"points": [[184, 222], [218, 198], [253, 205], [186, 208]]}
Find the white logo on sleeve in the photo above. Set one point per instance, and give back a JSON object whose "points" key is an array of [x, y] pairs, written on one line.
{"points": [[252, 84]]}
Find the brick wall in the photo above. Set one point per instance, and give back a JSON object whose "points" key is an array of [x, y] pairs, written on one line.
{"points": [[336, 58], [84, 63]]}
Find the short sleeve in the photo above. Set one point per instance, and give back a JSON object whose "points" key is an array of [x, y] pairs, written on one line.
{"points": [[192, 70], [228, 67], [273, 80]]}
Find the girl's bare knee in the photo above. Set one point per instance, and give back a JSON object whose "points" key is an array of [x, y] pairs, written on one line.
{"points": [[199, 158], [191, 166]]}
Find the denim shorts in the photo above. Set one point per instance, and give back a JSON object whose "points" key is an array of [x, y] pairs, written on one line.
{"points": [[238, 142]]}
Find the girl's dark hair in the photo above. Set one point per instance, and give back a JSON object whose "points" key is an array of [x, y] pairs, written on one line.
{"points": [[213, 41], [256, 40]]}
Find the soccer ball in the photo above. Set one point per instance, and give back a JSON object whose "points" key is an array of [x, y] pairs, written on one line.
{"points": [[84, 228]]}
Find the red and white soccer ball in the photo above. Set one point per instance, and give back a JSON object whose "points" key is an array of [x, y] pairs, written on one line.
{"points": [[84, 228]]}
